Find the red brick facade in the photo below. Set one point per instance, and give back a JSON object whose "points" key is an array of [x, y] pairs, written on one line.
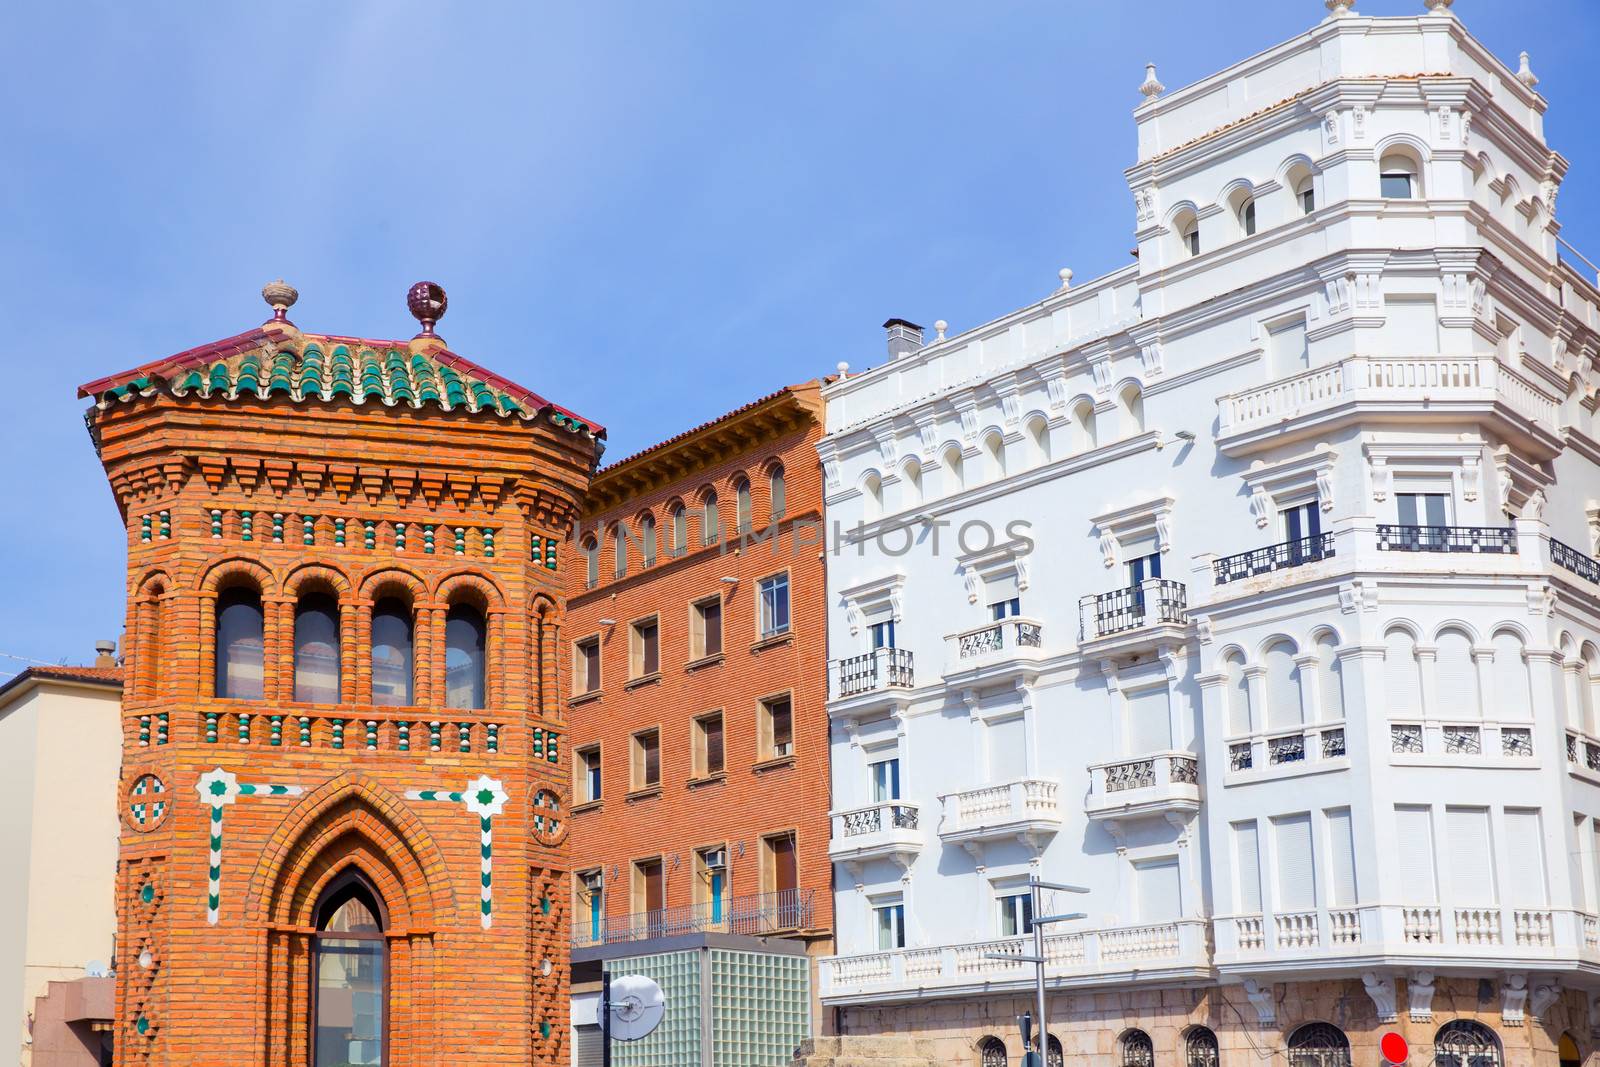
{"points": [[272, 466], [649, 839]]}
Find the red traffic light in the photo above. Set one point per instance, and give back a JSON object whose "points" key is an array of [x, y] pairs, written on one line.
{"points": [[1394, 1047]]}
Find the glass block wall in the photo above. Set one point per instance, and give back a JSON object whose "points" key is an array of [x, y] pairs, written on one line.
{"points": [[676, 1042]]}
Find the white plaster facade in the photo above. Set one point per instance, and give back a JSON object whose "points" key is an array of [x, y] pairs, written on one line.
{"points": [[1369, 753]]}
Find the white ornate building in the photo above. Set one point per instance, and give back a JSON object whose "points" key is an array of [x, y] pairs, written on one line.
{"points": [[1294, 659]]}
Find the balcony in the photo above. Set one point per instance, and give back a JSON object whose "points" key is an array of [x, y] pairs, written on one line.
{"points": [[1410, 391], [1137, 618], [1025, 810], [1493, 540], [872, 672], [1302, 750], [1170, 950], [755, 914], [1569, 558], [1279, 557], [887, 830], [995, 650], [1156, 784]]}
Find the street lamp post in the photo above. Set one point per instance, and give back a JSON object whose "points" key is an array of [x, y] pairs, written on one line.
{"points": [[1041, 1044]]}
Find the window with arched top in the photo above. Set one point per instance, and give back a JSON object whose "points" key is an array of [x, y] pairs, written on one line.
{"points": [[1319, 1045], [619, 551], [591, 562], [316, 649], [1189, 235], [710, 522], [677, 530], [991, 1052], [1132, 401], [153, 652], [1397, 177], [911, 484], [1136, 1049], [741, 506], [1567, 1051], [1330, 678], [871, 497], [1200, 1048], [465, 654], [1464, 1043], [1053, 1056], [1455, 675], [1402, 681], [1038, 439], [1238, 693], [777, 492], [1511, 694], [1305, 195], [1086, 436], [240, 645], [954, 474], [994, 450], [647, 540], [1247, 217], [1283, 686], [393, 652], [349, 975]]}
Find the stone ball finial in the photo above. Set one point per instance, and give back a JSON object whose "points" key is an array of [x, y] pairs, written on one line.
{"points": [[1337, 8], [843, 368], [1065, 274], [939, 327], [1525, 73], [280, 297], [1438, 7], [1151, 87], [427, 303]]}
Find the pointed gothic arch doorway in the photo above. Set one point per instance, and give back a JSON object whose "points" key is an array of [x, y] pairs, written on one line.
{"points": [[350, 975]]}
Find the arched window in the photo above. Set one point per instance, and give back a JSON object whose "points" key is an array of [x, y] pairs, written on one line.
{"points": [[1511, 699], [1397, 177], [1238, 691], [741, 505], [777, 492], [871, 497], [1200, 1048], [1589, 685], [1464, 1043], [349, 965], [1567, 1051], [1132, 408], [1136, 1049], [678, 530], [954, 475], [1083, 423], [619, 551], [591, 562], [316, 649], [240, 645], [1402, 685], [1456, 676], [1053, 1056], [153, 653], [1319, 1045], [647, 540], [994, 447], [1190, 236], [992, 1052], [1039, 439], [1330, 677], [392, 652], [1283, 686], [1305, 194], [1247, 217], [710, 523], [465, 633], [911, 484]]}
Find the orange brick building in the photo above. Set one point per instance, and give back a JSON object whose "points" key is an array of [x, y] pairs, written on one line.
{"points": [[344, 771], [697, 666]]}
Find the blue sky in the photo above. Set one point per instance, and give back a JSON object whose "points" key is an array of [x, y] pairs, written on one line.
{"points": [[649, 212]]}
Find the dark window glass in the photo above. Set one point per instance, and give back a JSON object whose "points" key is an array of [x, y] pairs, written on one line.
{"points": [[715, 760], [350, 960], [316, 650], [589, 664], [883, 634], [1396, 186], [391, 652], [464, 645], [1004, 609], [649, 648], [774, 605], [711, 627], [781, 714], [239, 645], [780, 493], [1249, 218], [649, 759]]}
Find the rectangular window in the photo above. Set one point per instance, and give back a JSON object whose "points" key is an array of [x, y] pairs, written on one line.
{"points": [[885, 780], [1158, 892], [586, 665], [1414, 826], [708, 753], [774, 605], [644, 649], [1423, 509], [1008, 748], [1297, 880], [1286, 345], [589, 773], [1341, 858], [1005, 609], [782, 873], [1247, 863], [1142, 568], [706, 628], [646, 759], [1301, 521], [1395, 186], [1016, 914], [1471, 861], [777, 727], [711, 865], [1525, 858], [649, 888], [1149, 720], [592, 901], [889, 920], [1411, 325], [883, 634]]}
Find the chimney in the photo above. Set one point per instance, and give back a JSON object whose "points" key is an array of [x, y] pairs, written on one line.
{"points": [[904, 337], [105, 653]]}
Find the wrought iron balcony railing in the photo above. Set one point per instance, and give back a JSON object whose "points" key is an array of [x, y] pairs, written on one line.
{"points": [[1151, 603], [889, 815], [1573, 560], [754, 914], [1277, 557], [1500, 540], [882, 668]]}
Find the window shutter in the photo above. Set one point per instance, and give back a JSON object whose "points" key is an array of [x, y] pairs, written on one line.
{"points": [[1525, 857], [1297, 880], [1342, 857], [1471, 868], [1456, 677], [1238, 696], [997, 587], [1510, 698], [1330, 679], [1401, 681], [1247, 856], [1159, 890], [1149, 721], [1008, 753], [1283, 688], [1414, 827]]}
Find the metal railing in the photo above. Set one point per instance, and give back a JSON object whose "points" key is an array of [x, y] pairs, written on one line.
{"points": [[889, 815], [1573, 560], [1151, 603], [753, 914], [882, 668], [1277, 557], [1500, 540]]}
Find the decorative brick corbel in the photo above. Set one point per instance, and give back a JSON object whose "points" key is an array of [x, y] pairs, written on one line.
{"points": [[214, 469], [279, 472], [247, 469], [372, 483], [176, 471], [312, 477], [432, 486], [490, 491], [461, 489], [404, 483]]}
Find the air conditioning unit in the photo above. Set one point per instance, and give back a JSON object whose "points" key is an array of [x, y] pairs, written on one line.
{"points": [[716, 859]]}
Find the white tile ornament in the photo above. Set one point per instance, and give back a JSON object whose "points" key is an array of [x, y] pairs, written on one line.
{"points": [[218, 789], [484, 797]]}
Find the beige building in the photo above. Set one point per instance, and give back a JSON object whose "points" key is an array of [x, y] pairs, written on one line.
{"points": [[60, 751]]}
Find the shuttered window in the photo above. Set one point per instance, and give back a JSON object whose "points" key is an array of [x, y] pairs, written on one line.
{"points": [[1330, 679], [1414, 826], [1008, 752], [1456, 677], [1297, 880], [1247, 859], [1510, 699], [1400, 678], [1158, 890], [1283, 687], [1341, 858], [590, 1051], [1525, 858], [1238, 696], [1149, 721], [1471, 867]]}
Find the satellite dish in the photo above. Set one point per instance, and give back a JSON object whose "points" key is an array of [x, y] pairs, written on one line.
{"points": [[637, 1006]]}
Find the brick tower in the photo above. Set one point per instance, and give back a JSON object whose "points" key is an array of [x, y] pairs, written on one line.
{"points": [[343, 783]]}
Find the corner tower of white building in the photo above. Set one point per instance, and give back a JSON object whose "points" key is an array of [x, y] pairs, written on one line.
{"points": [[1252, 586]]}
